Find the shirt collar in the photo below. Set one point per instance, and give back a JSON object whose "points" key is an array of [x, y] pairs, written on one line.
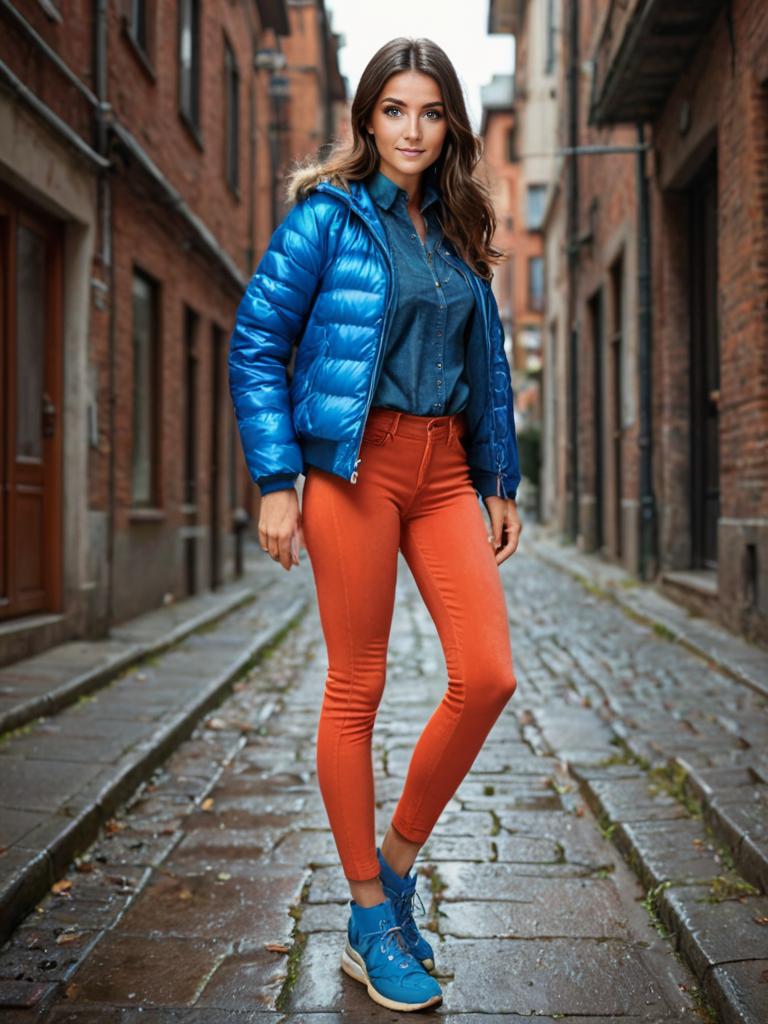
{"points": [[384, 191]]}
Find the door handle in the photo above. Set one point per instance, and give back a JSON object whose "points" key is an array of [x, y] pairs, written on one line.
{"points": [[49, 416]]}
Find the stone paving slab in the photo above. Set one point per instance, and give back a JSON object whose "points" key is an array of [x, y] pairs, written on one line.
{"points": [[718, 645], [55, 678], [227, 850], [740, 991], [51, 808], [735, 804]]}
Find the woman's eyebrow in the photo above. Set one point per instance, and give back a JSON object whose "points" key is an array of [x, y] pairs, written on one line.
{"points": [[402, 103]]}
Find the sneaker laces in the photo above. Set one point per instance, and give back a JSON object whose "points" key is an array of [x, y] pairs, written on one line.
{"points": [[404, 904], [393, 944]]}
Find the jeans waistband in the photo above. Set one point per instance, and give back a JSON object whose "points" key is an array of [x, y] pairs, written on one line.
{"points": [[407, 424]]}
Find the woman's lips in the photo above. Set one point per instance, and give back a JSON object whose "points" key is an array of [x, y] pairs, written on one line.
{"points": [[411, 152]]}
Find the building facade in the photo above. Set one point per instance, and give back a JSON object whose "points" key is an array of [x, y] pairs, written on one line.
{"points": [[656, 241], [520, 143], [140, 148]]}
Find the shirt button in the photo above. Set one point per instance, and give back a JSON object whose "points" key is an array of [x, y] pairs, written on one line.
{"points": [[439, 383], [437, 284], [438, 364]]}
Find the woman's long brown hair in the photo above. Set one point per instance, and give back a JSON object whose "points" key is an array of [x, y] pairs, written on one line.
{"points": [[468, 218]]}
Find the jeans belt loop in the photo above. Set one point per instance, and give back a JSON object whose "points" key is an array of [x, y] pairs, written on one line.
{"points": [[393, 424]]}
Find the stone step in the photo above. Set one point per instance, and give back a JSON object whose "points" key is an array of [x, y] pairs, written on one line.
{"points": [[62, 778], [53, 679], [716, 919], [734, 802]]}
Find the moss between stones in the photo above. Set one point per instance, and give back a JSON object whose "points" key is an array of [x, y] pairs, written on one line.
{"points": [[671, 778], [299, 941]]}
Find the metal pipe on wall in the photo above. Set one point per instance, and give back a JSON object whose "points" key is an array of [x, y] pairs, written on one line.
{"points": [[648, 547], [572, 248]]}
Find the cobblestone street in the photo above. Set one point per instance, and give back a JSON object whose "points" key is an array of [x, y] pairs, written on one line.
{"points": [[580, 873]]}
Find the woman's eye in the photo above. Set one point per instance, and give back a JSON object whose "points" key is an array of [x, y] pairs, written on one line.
{"points": [[437, 113]]}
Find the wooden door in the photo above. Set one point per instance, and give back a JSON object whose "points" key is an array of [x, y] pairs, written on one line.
{"points": [[31, 420], [705, 368]]}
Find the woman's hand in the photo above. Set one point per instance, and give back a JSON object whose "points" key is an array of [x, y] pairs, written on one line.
{"points": [[505, 526], [279, 524]]}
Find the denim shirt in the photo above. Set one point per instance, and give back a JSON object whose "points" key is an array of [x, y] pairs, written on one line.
{"points": [[423, 363], [423, 366]]}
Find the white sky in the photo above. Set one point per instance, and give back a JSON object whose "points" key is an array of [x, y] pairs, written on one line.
{"points": [[458, 27]]}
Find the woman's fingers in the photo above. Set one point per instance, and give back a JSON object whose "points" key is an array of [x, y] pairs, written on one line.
{"points": [[505, 527], [278, 525]]}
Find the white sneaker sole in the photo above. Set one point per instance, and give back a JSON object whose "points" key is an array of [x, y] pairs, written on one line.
{"points": [[354, 965]]}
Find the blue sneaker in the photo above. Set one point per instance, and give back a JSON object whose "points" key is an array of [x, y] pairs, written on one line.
{"points": [[402, 892], [377, 955]]}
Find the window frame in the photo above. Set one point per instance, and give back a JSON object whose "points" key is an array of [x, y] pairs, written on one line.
{"points": [[191, 118], [154, 500]]}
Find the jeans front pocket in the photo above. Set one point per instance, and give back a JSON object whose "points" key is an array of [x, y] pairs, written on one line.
{"points": [[375, 435]]}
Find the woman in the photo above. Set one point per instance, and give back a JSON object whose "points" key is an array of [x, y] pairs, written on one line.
{"points": [[399, 413]]}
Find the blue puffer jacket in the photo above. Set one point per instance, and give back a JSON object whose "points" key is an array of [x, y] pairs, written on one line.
{"points": [[326, 281]]}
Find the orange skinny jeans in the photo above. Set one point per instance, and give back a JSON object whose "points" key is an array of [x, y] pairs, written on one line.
{"points": [[413, 494]]}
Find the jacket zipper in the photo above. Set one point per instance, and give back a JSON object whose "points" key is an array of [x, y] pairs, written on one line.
{"points": [[380, 349]]}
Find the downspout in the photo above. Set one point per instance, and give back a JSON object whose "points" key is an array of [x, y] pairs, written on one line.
{"points": [[252, 129], [101, 13], [648, 548], [325, 76], [572, 249]]}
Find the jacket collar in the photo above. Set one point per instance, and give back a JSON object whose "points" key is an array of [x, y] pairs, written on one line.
{"points": [[384, 191]]}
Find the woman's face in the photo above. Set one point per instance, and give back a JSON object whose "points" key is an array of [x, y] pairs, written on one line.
{"points": [[409, 126]]}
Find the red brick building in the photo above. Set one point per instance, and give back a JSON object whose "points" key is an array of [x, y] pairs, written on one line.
{"points": [[662, 333], [141, 146]]}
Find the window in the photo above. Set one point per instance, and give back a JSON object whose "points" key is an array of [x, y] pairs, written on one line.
{"points": [[512, 144], [534, 214], [232, 101], [139, 24], [536, 282], [189, 62], [549, 59], [145, 390], [190, 410]]}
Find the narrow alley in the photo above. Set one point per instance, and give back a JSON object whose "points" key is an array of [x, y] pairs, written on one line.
{"points": [[561, 881]]}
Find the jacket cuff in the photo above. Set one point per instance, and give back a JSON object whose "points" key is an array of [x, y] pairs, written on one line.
{"points": [[276, 482], [485, 485]]}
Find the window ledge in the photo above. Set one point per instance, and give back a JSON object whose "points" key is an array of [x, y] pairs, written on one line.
{"points": [[139, 52], [146, 515], [192, 129]]}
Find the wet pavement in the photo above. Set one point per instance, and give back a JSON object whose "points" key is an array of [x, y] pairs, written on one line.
{"points": [[215, 895]]}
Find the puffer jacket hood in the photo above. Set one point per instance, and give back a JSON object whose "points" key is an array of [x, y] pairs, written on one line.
{"points": [[326, 283]]}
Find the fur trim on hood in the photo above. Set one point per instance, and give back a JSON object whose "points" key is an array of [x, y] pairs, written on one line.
{"points": [[302, 179]]}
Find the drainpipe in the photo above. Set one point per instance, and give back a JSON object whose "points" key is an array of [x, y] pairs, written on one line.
{"points": [[572, 249], [106, 240], [648, 547]]}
